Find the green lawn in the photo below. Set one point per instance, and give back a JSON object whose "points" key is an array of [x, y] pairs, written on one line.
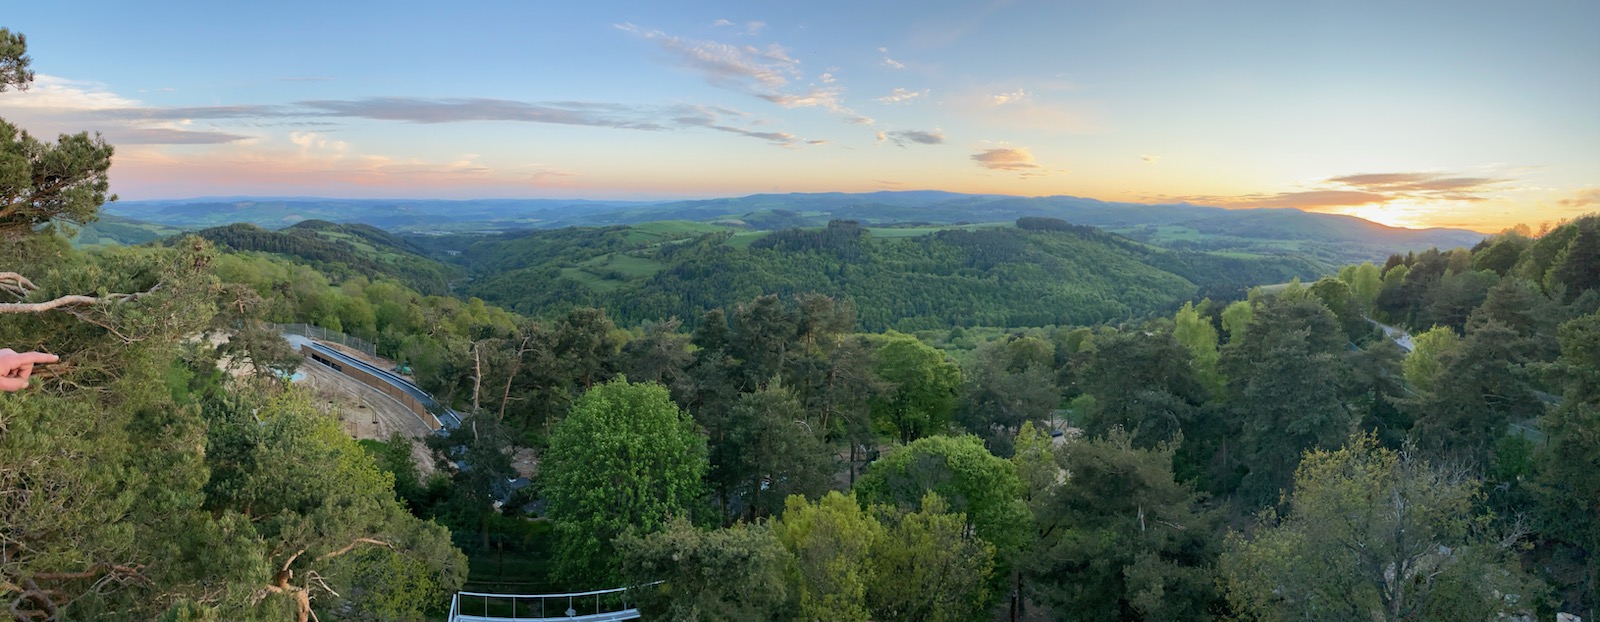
{"points": [[663, 230]]}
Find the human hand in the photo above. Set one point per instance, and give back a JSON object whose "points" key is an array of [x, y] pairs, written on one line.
{"points": [[16, 366]]}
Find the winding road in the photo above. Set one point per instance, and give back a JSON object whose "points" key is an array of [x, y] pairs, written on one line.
{"points": [[448, 418]]}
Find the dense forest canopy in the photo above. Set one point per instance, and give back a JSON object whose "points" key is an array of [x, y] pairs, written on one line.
{"points": [[1029, 275], [733, 429]]}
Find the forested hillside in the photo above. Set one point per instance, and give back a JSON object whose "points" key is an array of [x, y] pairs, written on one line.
{"points": [[1043, 273], [1329, 238], [776, 452], [336, 249]]}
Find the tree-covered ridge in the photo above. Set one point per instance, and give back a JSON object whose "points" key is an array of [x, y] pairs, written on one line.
{"points": [[1006, 276], [335, 248], [1278, 457], [1328, 238]]}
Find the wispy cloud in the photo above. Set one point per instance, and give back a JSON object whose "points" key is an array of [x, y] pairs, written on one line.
{"points": [[1013, 97], [1151, 159], [169, 136], [901, 95], [765, 73], [1583, 198], [721, 64], [1346, 191], [1434, 186], [320, 165], [902, 138], [827, 98], [714, 118], [306, 79], [425, 110], [190, 113], [1006, 159], [60, 94], [890, 62], [59, 104], [1041, 107], [749, 29]]}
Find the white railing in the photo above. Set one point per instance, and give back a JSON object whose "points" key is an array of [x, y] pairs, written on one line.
{"points": [[593, 606]]}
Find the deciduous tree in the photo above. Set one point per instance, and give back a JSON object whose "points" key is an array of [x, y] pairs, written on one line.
{"points": [[625, 459], [1374, 534]]}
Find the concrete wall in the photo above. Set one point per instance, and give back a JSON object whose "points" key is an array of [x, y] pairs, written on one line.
{"points": [[375, 382]]}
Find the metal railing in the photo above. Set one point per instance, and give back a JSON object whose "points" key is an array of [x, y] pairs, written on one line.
{"points": [[611, 604], [322, 334]]}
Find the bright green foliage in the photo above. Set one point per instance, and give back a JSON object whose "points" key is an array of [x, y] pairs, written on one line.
{"points": [[624, 460], [732, 574], [1393, 303], [1365, 281], [1338, 298], [1235, 317], [1120, 540], [926, 388], [1035, 462], [1422, 366], [832, 541], [1372, 534], [300, 484], [1503, 255], [919, 563], [1197, 334], [927, 567], [961, 471]]}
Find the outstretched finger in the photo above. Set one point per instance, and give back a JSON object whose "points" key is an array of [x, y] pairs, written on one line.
{"points": [[39, 357]]}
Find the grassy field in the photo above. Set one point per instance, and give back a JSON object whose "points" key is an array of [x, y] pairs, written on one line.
{"points": [[663, 230], [914, 232], [743, 239], [610, 271]]}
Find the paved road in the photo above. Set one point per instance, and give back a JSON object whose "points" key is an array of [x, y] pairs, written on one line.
{"points": [[1399, 336], [448, 418]]}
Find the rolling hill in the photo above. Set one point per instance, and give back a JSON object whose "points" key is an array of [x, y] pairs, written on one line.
{"points": [[343, 249], [1329, 239], [993, 275]]}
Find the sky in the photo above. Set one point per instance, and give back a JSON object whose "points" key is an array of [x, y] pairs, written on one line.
{"points": [[1459, 113]]}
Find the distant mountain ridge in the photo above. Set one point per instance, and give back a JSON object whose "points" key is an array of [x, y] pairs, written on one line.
{"points": [[1328, 238]]}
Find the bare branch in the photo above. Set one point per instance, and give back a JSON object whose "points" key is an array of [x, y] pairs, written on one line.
{"points": [[352, 545], [17, 284]]}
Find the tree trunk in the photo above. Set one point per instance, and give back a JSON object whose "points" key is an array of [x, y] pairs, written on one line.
{"points": [[516, 366], [477, 375]]}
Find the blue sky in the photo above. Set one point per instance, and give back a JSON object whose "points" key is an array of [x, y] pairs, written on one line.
{"points": [[1475, 114]]}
